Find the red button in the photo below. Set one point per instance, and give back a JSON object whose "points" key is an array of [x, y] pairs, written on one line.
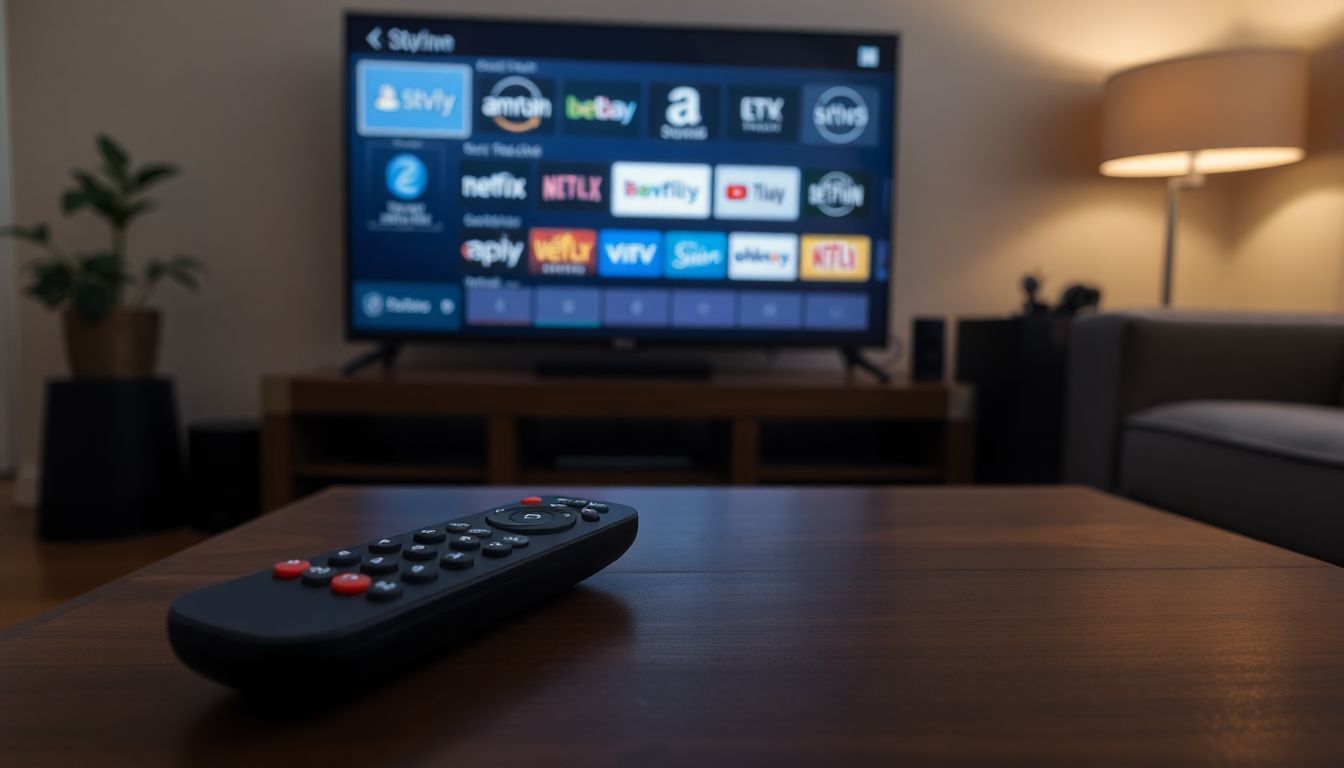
{"points": [[531, 499], [351, 584], [290, 569]]}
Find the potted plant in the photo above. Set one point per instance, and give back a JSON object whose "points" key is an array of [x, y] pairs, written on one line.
{"points": [[109, 328]]}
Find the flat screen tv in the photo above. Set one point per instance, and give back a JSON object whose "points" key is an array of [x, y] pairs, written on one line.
{"points": [[582, 182]]}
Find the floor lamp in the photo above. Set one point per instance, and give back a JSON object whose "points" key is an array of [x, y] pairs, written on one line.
{"points": [[1182, 118]]}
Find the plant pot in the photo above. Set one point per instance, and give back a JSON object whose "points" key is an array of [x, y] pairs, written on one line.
{"points": [[122, 345]]}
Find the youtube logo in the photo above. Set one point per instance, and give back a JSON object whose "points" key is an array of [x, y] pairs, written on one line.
{"points": [[736, 192]]}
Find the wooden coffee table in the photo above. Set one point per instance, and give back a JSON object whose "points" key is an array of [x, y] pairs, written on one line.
{"points": [[839, 626]]}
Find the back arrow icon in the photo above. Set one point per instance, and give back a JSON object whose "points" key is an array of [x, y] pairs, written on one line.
{"points": [[373, 39]]}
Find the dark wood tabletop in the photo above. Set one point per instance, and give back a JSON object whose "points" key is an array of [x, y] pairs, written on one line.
{"points": [[819, 627]]}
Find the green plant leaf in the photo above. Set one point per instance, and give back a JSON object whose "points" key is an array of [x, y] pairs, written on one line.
{"points": [[181, 269], [93, 299], [104, 199], [115, 159], [38, 233], [152, 172], [104, 267], [52, 281], [72, 200], [135, 209]]}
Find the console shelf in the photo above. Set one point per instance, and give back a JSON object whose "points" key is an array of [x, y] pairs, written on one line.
{"points": [[515, 428]]}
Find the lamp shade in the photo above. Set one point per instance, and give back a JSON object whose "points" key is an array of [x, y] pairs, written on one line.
{"points": [[1227, 111]]}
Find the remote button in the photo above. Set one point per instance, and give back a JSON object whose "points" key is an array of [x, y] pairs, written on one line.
{"points": [[590, 514], [481, 533], [523, 517], [420, 552], [458, 527], [379, 566], [351, 584], [497, 549], [343, 558], [430, 536], [531, 500], [517, 541], [420, 573], [318, 575], [455, 561], [531, 520], [385, 546], [576, 503], [289, 569], [465, 543], [382, 591], [599, 506]]}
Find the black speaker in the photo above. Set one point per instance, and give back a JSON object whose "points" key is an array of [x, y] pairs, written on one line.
{"points": [[224, 478], [928, 359]]}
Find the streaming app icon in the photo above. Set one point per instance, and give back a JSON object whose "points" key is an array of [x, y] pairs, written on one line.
{"points": [[763, 113], [406, 176], [492, 252], [695, 255], [683, 112], [569, 306], [660, 190], [759, 192], [703, 309], [406, 200], [572, 187], [601, 109], [562, 252], [636, 307], [630, 253], [836, 257], [762, 256], [832, 311], [841, 114], [836, 194], [401, 98], [516, 104], [491, 182]]}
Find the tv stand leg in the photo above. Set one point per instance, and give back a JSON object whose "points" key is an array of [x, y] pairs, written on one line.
{"points": [[386, 353], [854, 359]]}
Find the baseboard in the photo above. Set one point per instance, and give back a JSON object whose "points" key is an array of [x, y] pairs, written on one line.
{"points": [[25, 486]]}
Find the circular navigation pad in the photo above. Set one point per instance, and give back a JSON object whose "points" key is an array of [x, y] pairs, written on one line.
{"points": [[532, 519]]}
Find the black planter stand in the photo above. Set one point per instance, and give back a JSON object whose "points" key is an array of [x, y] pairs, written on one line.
{"points": [[111, 460]]}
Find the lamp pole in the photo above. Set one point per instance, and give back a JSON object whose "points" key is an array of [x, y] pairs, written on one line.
{"points": [[1175, 184]]}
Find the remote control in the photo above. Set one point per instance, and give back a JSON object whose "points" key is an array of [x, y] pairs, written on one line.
{"points": [[357, 616]]}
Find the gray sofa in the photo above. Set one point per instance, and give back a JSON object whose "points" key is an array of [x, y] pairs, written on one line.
{"points": [[1237, 420]]}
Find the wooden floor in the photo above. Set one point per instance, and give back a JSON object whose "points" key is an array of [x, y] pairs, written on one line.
{"points": [[39, 575]]}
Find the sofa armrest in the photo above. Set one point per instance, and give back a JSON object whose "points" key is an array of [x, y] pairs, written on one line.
{"points": [[1123, 363]]}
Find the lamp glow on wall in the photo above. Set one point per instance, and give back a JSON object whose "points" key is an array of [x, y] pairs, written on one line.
{"points": [[1182, 118]]}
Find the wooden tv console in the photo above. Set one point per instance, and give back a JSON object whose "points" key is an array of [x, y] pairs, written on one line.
{"points": [[516, 428]]}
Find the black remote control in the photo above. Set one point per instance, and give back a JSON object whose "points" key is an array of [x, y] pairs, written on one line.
{"points": [[359, 615]]}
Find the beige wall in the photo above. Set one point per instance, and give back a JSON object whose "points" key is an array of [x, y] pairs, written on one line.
{"points": [[998, 151]]}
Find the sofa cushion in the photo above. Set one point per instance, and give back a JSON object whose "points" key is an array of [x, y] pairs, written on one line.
{"points": [[1274, 471], [1306, 432]]}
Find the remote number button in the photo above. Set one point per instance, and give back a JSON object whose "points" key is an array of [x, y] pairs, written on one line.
{"points": [[430, 536], [379, 566], [290, 569], [465, 543], [480, 533], [599, 506], [385, 546], [318, 575], [458, 527], [420, 573], [343, 558], [497, 549], [351, 584], [516, 540], [455, 561], [420, 552], [590, 514], [576, 503], [382, 591]]}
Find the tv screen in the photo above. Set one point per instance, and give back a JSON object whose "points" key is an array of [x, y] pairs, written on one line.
{"points": [[586, 182]]}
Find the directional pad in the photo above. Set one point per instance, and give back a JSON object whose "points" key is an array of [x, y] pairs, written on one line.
{"points": [[532, 519]]}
